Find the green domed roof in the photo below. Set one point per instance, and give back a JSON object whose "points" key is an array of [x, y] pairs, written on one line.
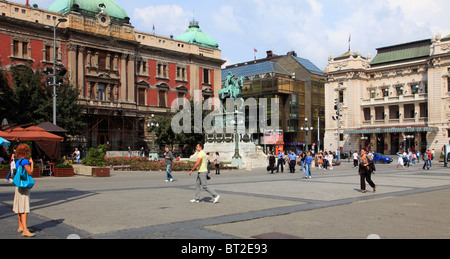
{"points": [[196, 36], [93, 6]]}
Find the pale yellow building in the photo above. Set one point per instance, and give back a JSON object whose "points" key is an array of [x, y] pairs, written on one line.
{"points": [[399, 99]]}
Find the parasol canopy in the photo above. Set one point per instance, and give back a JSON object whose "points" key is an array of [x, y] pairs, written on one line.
{"points": [[7, 136], [4, 142], [34, 133]]}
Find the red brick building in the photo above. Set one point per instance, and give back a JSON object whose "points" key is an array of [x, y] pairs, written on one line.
{"points": [[124, 76]]}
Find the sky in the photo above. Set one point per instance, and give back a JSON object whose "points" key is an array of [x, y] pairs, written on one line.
{"points": [[314, 29]]}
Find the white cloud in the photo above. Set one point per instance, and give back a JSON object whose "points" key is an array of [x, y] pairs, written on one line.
{"points": [[227, 21], [168, 19]]}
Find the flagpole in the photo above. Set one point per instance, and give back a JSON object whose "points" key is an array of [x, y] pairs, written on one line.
{"points": [[349, 42]]}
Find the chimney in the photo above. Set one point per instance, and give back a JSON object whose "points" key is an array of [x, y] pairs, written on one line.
{"points": [[269, 53]]}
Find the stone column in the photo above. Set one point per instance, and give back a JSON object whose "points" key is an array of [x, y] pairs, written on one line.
{"points": [[131, 80], [80, 72], [123, 78]]}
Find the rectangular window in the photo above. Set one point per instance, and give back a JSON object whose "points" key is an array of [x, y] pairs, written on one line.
{"points": [[16, 48], [162, 99], [206, 76], [181, 74], [141, 96], [414, 89], [423, 110], [101, 92], [48, 53], [394, 112], [162, 71], [24, 49], [367, 116], [102, 60]]}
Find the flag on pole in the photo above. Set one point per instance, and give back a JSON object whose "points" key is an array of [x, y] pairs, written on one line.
{"points": [[254, 49], [154, 29], [349, 40]]}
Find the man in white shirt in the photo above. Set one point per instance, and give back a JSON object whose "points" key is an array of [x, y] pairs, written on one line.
{"points": [[76, 155], [355, 159]]}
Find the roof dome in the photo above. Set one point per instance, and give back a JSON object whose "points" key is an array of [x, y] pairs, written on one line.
{"points": [[196, 36], [109, 7]]}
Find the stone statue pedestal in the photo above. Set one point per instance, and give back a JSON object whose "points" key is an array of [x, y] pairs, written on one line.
{"points": [[252, 155]]}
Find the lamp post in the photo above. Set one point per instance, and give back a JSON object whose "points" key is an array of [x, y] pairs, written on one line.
{"points": [[306, 128], [60, 20], [237, 159], [151, 126]]}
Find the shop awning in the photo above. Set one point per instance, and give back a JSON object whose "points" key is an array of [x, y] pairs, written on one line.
{"points": [[392, 130]]}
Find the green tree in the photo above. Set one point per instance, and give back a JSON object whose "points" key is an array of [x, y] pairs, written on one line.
{"points": [[30, 99], [187, 141]]}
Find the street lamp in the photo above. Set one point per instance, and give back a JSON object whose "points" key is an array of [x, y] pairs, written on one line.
{"points": [[237, 159], [60, 20], [306, 128], [152, 126]]}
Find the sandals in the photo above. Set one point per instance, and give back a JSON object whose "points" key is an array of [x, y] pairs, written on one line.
{"points": [[28, 235]]}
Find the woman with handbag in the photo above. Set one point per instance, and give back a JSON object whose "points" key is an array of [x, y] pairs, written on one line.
{"points": [[365, 171], [22, 195]]}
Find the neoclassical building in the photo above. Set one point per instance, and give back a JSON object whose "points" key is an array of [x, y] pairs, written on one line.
{"points": [[399, 99], [124, 76]]}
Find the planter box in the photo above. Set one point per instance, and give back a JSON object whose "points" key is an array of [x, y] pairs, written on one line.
{"points": [[3, 173], [100, 172], [64, 172], [91, 171]]}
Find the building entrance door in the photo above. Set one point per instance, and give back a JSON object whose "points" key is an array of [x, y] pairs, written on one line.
{"points": [[380, 143], [395, 143]]}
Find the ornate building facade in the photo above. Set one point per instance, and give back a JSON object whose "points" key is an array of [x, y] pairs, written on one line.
{"points": [[124, 76], [397, 101]]}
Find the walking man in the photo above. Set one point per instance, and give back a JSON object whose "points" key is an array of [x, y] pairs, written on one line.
{"points": [[292, 161], [168, 158], [201, 176], [280, 161]]}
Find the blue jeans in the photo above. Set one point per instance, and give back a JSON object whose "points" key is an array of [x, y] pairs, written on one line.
{"points": [[307, 170], [168, 172], [9, 175]]}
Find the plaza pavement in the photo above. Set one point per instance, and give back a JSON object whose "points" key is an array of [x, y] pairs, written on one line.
{"points": [[408, 204]]}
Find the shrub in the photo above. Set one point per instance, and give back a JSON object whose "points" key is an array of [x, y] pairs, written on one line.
{"points": [[63, 166], [96, 156]]}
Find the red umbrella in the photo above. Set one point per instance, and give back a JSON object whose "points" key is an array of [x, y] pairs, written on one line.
{"points": [[34, 133]]}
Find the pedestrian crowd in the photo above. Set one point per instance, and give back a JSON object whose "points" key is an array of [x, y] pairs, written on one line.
{"points": [[277, 162], [363, 162]]}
